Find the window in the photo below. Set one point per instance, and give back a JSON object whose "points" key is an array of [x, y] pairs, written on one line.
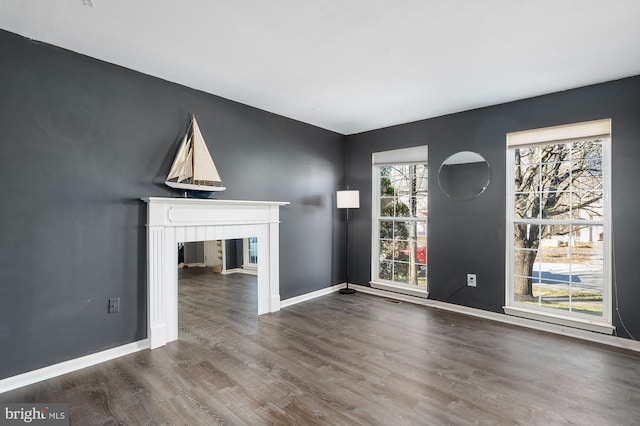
{"points": [[399, 252], [250, 253], [559, 224]]}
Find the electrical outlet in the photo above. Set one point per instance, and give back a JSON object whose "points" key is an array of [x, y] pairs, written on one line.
{"points": [[471, 280], [114, 305]]}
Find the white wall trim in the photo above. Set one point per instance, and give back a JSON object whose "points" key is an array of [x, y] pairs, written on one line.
{"points": [[590, 336], [51, 371], [391, 295], [240, 271], [417, 292], [309, 296], [195, 265], [231, 271], [589, 325]]}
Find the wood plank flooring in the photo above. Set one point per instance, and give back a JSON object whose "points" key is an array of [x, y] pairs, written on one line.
{"points": [[346, 360]]}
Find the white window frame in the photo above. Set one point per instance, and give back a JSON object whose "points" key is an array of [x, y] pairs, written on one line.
{"points": [[600, 129], [413, 155]]}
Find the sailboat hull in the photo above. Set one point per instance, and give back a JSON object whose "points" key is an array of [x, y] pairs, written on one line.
{"points": [[194, 187]]}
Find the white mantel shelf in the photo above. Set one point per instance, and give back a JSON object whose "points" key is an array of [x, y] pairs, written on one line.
{"points": [[182, 200], [177, 220], [178, 211]]}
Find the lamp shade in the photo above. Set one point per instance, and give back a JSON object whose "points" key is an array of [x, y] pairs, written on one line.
{"points": [[349, 199]]}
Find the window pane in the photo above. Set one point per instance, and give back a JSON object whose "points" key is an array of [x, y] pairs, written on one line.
{"points": [[253, 250], [555, 295], [527, 205], [527, 156], [555, 153], [421, 233], [386, 250], [403, 206], [555, 177], [526, 236], [588, 149], [387, 206], [401, 229], [526, 282], [401, 251], [585, 301], [386, 229], [527, 177], [586, 175], [386, 188], [555, 236], [421, 207], [552, 266], [549, 257], [555, 205], [587, 205], [524, 278], [386, 270], [401, 272]]}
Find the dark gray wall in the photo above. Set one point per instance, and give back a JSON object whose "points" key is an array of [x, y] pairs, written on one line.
{"points": [[469, 236], [194, 252], [233, 253], [81, 141]]}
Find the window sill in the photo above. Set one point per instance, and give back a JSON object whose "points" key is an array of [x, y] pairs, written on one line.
{"points": [[583, 324], [417, 292]]}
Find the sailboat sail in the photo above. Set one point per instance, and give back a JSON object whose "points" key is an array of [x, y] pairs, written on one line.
{"points": [[203, 168], [178, 163], [193, 167]]}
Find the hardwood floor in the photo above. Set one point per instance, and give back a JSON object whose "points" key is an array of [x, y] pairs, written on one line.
{"points": [[346, 359]]}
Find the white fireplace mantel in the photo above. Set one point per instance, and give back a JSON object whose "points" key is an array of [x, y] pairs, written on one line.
{"points": [[176, 220]]}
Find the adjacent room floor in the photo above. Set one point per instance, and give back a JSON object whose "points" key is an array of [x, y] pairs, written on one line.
{"points": [[346, 359]]}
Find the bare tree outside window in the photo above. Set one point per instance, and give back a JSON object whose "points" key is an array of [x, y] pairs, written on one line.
{"points": [[558, 229]]}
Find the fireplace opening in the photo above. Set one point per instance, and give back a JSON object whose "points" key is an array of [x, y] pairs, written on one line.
{"points": [[211, 304], [174, 220]]}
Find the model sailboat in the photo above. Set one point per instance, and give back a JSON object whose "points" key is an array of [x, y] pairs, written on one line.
{"points": [[193, 168]]}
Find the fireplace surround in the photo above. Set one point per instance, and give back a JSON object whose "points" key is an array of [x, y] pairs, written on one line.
{"points": [[177, 220]]}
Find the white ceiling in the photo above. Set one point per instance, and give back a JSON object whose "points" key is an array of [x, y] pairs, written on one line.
{"points": [[350, 65]]}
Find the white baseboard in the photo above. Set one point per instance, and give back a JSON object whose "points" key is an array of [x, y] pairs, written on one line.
{"points": [[194, 265], [51, 371], [312, 295], [400, 289], [589, 325], [239, 271], [391, 294], [590, 336]]}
